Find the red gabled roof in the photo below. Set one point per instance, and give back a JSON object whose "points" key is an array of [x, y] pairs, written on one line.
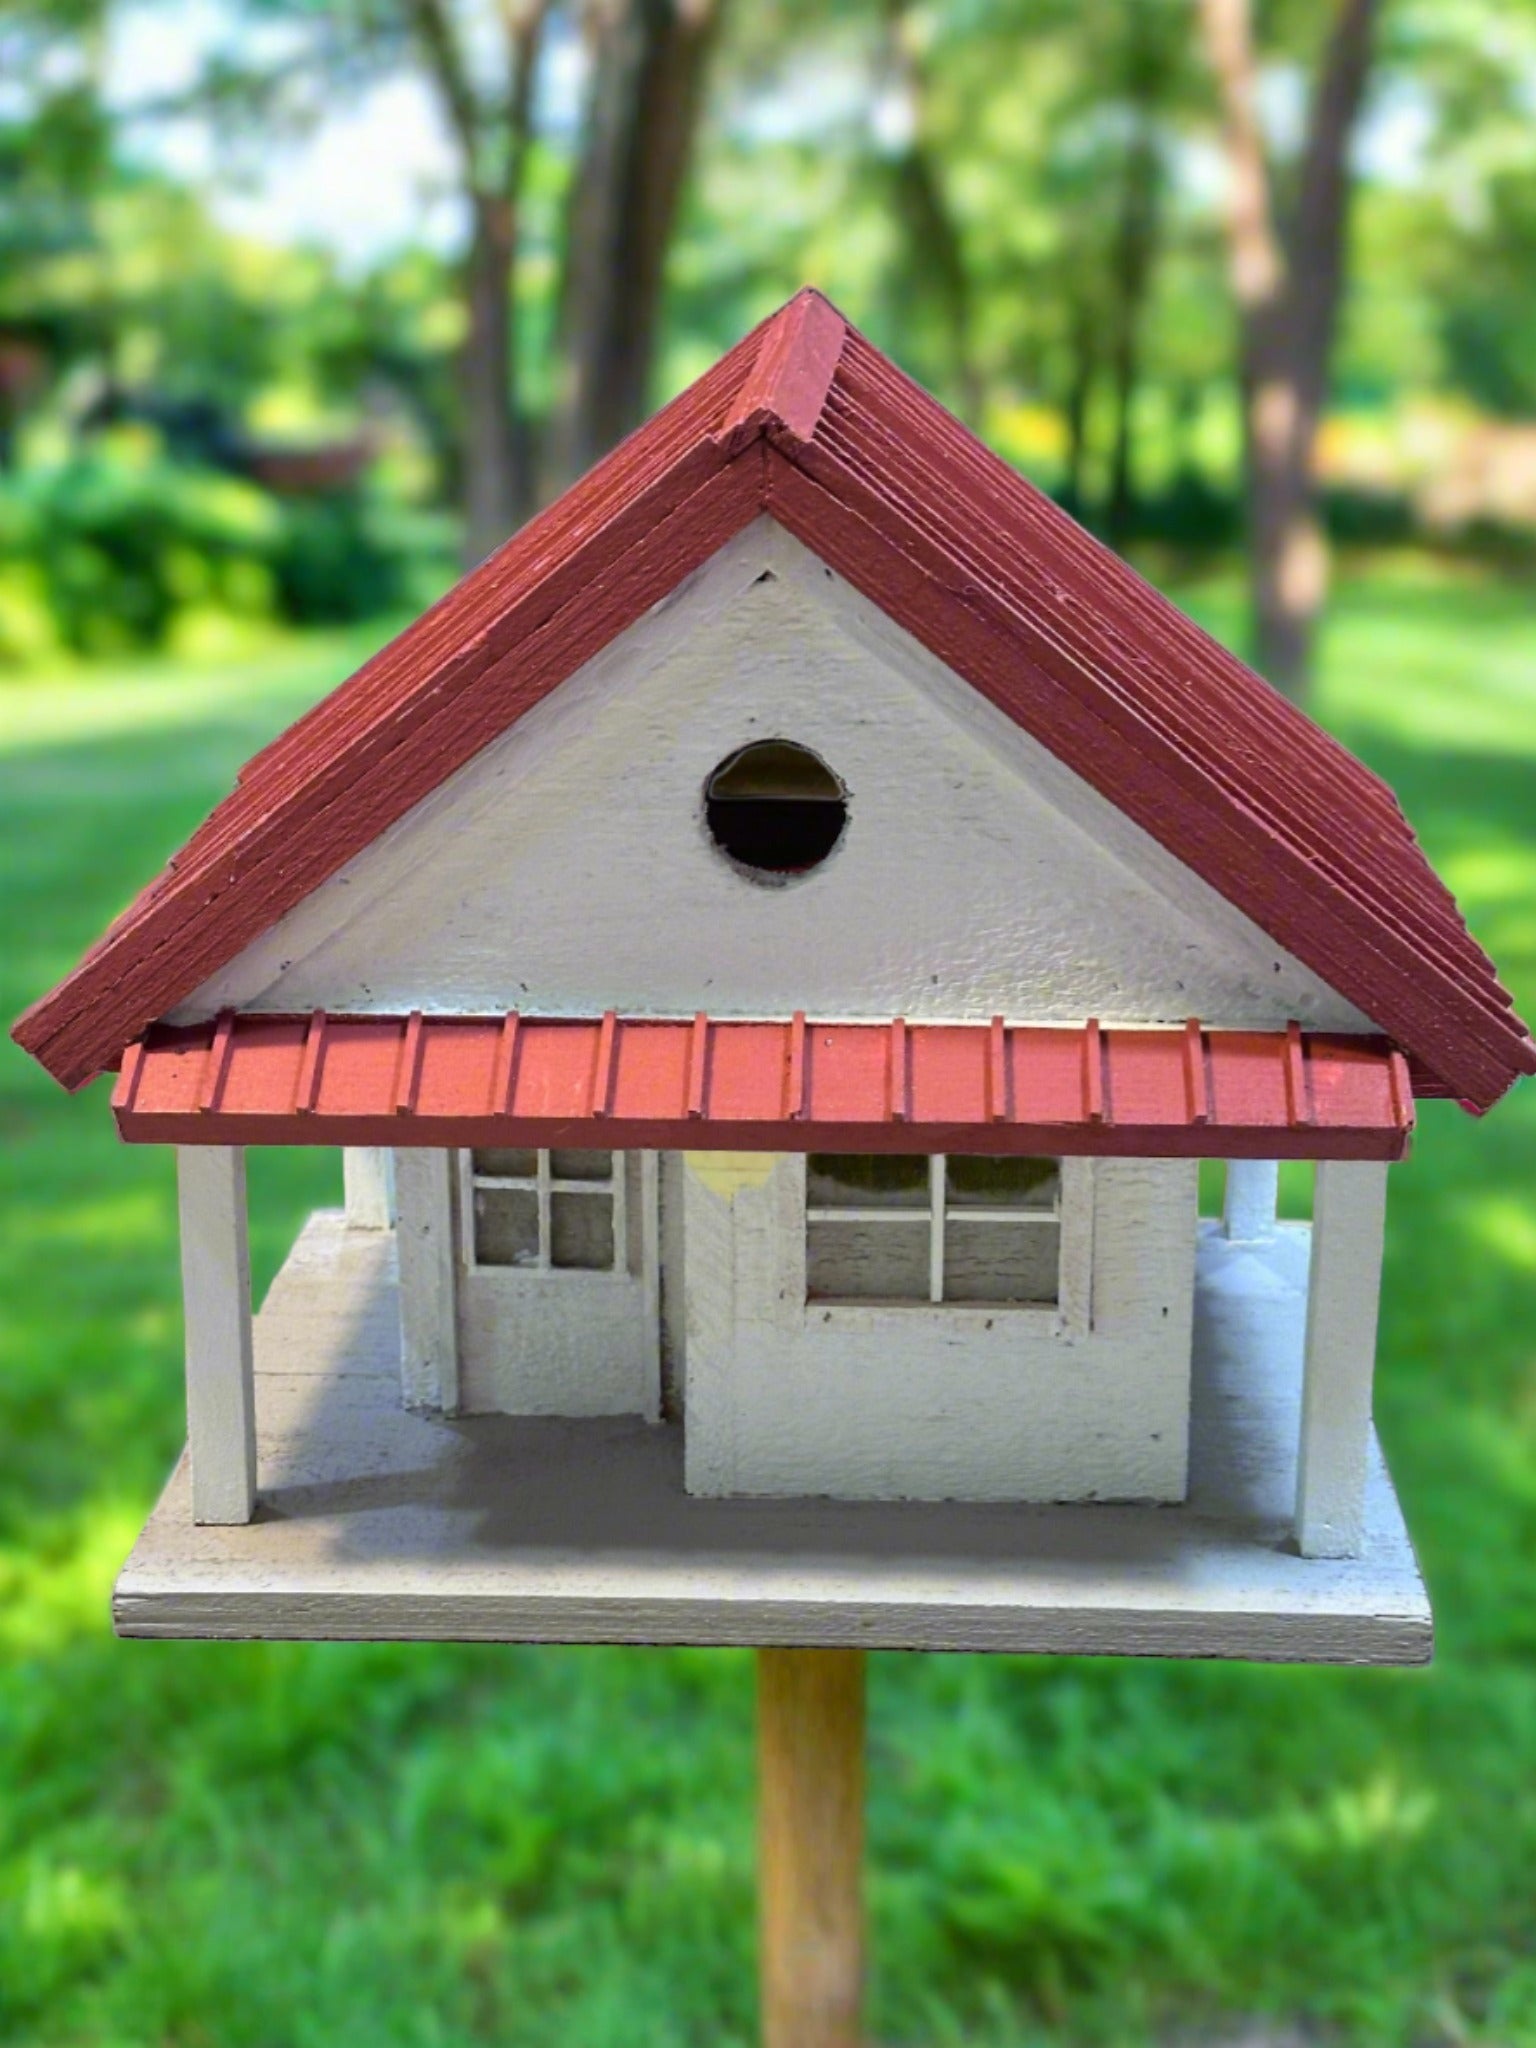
{"points": [[721, 1084], [805, 421]]}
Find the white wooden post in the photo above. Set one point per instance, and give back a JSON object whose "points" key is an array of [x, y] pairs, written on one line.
{"points": [[1253, 1188], [216, 1291], [368, 1176], [650, 1276], [1349, 1208], [429, 1278]]}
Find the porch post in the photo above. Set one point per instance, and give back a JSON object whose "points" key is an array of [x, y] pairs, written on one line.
{"points": [[368, 1177], [1349, 1207], [1248, 1209], [429, 1292], [216, 1292]]}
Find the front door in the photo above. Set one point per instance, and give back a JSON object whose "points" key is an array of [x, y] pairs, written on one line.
{"points": [[559, 1291]]}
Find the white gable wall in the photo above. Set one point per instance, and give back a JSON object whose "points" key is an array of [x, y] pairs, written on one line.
{"points": [[568, 869]]}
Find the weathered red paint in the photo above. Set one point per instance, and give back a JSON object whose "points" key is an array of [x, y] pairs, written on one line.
{"points": [[806, 421], [786, 1086]]}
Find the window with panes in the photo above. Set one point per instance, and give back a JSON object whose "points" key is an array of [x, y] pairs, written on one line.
{"points": [[546, 1212], [937, 1228]]}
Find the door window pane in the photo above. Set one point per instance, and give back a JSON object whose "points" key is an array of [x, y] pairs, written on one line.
{"points": [[502, 1164], [581, 1232], [506, 1227]]}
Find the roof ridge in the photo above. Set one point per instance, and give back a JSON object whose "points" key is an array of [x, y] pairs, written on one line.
{"points": [[785, 392]]}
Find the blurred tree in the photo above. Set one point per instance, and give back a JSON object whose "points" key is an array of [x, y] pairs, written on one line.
{"points": [[644, 67], [930, 266], [492, 126], [55, 154], [1110, 142], [300, 60], [647, 62], [1472, 200], [396, 333], [1016, 197], [1287, 270], [1146, 65], [1036, 166]]}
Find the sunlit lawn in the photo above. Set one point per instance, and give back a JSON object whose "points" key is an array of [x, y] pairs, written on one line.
{"points": [[279, 1846]]}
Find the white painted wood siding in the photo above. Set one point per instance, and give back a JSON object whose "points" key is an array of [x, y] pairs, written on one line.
{"points": [[568, 868], [919, 1402], [1349, 1210], [216, 1293]]}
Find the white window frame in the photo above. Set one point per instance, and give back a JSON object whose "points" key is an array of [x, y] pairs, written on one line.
{"points": [[543, 1184], [1071, 1212]]}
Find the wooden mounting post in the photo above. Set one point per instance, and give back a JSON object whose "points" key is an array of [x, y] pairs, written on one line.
{"points": [[811, 1798]]}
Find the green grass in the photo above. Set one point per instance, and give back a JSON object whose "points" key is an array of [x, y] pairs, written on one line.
{"points": [[259, 1846]]}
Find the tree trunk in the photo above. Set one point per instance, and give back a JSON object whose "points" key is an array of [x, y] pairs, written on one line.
{"points": [[646, 96], [493, 134], [1287, 549], [493, 491], [1288, 290], [930, 264]]}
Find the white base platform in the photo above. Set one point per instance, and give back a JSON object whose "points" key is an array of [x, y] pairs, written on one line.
{"points": [[375, 1523]]}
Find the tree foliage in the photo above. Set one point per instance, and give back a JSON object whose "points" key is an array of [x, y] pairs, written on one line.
{"points": [[1024, 200]]}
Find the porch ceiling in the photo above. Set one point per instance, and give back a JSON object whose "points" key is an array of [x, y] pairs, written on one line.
{"points": [[718, 1084]]}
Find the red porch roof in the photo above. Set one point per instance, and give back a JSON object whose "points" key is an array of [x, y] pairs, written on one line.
{"points": [[806, 422], [788, 1086]]}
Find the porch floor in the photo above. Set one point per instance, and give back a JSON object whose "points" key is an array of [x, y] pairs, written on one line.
{"points": [[375, 1523]]}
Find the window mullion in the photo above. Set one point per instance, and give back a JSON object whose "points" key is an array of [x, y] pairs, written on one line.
{"points": [[617, 1182], [470, 1226], [936, 1178], [546, 1228]]}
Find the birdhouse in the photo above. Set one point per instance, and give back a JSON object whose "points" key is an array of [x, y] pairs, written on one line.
{"points": [[774, 947]]}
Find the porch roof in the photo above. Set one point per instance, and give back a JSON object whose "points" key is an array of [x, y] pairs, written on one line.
{"points": [[787, 1085]]}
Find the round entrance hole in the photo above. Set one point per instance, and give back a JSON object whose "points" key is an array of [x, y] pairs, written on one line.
{"points": [[775, 809]]}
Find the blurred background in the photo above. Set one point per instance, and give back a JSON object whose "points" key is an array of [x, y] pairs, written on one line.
{"points": [[305, 303]]}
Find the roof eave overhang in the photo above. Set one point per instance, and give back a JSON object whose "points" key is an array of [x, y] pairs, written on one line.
{"points": [[766, 1085], [621, 1134]]}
